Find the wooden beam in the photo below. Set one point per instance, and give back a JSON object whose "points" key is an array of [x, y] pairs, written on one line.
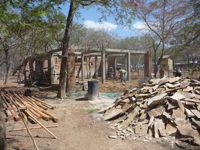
{"points": [[124, 51]]}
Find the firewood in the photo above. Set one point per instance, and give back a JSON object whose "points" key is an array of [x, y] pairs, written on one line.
{"points": [[27, 129], [13, 109], [44, 103], [41, 125]]}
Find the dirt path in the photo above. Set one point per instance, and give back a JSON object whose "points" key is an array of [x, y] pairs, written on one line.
{"points": [[78, 129]]}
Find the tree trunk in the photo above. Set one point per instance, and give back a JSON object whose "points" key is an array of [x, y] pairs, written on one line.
{"points": [[6, 48], [65, 45], [2, 129], [155, 65], [160, 58], [8, 69]]}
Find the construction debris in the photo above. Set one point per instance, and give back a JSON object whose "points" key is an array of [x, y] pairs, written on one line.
{"points": [[159, 108], [30, 107]]}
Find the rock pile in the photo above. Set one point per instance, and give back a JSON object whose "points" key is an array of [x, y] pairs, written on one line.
{"points": [[159, 108]]}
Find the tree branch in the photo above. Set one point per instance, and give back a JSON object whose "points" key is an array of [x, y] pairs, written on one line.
{"points": [[89, 2]]}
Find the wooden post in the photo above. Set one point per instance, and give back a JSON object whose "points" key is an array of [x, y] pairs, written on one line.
{"points": [[125, 61], [82, 66], [129, 66], [103, 57], [147, 64], [52, 67]]}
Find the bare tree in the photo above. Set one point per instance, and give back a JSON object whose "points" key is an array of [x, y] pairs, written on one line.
{"points": [[161, 18]]}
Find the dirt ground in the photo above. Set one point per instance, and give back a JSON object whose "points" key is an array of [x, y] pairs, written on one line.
{"points": [[79, 127]]}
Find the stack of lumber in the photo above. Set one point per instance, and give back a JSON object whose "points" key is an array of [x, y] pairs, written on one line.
{"points": [[159, 108], [16, 105]]}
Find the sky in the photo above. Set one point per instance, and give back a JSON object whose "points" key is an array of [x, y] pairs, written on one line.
{"points": [[90, 19]]}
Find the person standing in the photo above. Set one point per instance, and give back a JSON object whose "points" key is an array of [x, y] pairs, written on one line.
{"points": [[123, 75]]}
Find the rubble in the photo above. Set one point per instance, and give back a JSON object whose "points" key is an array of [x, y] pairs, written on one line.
{"points": [[159, 108]]}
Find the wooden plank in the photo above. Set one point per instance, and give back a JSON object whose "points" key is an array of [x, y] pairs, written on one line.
{"points": [[42, 125], [54, 119], [12, 109], [11, 116]]}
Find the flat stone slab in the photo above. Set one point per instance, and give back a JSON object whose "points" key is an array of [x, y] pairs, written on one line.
{"points": [[156, 112], [112, 114], [156, 99]]}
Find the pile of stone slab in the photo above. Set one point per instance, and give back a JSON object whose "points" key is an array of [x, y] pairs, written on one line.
{"points": [[159, 108]]}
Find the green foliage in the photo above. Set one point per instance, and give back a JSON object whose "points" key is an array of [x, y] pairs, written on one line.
{"points": [[194, 72], [30, 27], [91, 110], [186, 41]]}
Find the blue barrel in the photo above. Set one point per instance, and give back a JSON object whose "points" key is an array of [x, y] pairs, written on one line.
{"points": [[92, 90]]}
